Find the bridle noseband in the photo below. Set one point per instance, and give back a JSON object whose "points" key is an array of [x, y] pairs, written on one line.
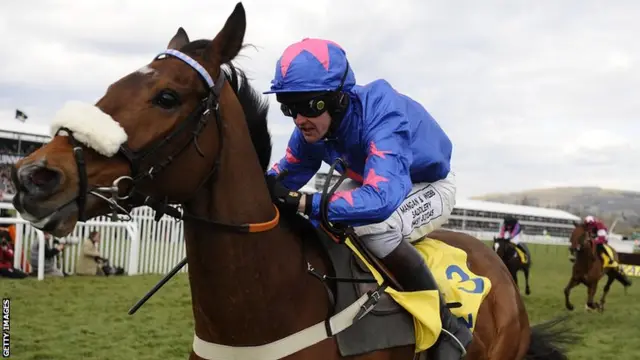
{"points": [[197, 120]]}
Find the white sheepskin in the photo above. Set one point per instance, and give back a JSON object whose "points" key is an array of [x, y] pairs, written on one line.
{"points": [[90, 126]]}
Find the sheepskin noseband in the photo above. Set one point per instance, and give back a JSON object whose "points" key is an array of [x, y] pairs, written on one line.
{"points": [[91, 127]]}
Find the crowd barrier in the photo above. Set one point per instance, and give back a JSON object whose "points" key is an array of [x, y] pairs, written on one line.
{"points": [[144, 246]]}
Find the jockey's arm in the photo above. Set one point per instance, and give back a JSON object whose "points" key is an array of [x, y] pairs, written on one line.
{"points": [[301, 161], [502, 230], [387, 181], [601, 232]]}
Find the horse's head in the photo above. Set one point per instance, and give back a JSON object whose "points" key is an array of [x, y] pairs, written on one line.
{"points": [[503, 248], [579, 236], [155, 132]]}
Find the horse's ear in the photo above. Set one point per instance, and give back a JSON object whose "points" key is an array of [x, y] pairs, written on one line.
{"points": [[179, 40], [575, 223], [227, 44]]}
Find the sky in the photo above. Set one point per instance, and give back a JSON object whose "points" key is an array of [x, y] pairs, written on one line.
{"points": [[532, 94]]}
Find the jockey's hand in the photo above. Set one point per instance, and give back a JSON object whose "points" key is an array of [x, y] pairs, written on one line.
{"points": [[285, 199]]}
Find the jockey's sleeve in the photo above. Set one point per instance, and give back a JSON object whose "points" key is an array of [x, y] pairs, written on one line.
{"points": [[515, 231], [502, 229], [386, 176], [302, 160], [602, 235]]}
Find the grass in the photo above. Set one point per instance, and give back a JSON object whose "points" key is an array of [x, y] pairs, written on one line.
{"points": [[86, 318]]}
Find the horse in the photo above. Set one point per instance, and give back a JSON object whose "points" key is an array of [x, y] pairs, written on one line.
{"points": [[170, 137], [588, 268], [506, 250]]}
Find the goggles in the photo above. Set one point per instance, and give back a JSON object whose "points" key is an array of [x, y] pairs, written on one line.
{"points": [[313, 107]]}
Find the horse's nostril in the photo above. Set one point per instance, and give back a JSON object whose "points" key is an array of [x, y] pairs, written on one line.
{"points": [[43, 176], [37, 179]]}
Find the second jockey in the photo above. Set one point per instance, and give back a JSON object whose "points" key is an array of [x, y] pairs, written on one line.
{"points": [[400, 185], [511, 230], [599, 234]]}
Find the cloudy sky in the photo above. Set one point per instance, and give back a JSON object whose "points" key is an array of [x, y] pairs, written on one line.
{"points": [[535, 95]]}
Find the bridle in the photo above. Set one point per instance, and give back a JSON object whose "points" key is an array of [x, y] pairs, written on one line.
{"points": [[508, 248], [582, 239], [196, 121]]}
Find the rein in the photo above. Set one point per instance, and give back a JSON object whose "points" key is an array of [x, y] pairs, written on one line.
{"points": [[199, 118]]}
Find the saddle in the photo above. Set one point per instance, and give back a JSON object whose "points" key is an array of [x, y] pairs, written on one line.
{"points": [[608, 258], [525, 256], [406, 317], [392, 318], [350, 280]]}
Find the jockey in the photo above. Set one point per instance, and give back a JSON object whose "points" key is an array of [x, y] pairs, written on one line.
{"points": [[599, 233], [400, 186], [511, 230]]}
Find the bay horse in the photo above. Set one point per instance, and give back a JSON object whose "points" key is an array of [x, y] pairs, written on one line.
{"points": [[588, 269], [169, 133], [507, 252]]}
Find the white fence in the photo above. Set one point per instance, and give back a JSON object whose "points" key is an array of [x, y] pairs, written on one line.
{"points": [[144, 246], [140, 246]]}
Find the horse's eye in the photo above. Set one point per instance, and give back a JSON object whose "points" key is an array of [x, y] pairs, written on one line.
{"points": [[166, 99]]}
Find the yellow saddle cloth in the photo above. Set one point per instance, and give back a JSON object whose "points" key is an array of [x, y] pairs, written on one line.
{"points": [[606, 262], [523, 257], [457, 283]]}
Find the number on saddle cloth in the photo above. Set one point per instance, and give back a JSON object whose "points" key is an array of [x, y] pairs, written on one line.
{"points": [[476, 287]]}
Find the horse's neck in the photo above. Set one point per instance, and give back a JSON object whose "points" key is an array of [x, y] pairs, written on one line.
{"points": [[246, 289], [589, 254], [507, 251]]}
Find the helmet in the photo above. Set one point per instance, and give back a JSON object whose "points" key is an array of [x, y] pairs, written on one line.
{"points": [[510, 220], [589, 219], [312, 65]]}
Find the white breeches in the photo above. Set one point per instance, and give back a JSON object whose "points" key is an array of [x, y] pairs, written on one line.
{"points": [[516, 239], [426, 208]]}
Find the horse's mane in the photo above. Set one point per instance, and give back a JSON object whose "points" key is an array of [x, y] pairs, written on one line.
{"points": [[254, 105], [255, 109]]}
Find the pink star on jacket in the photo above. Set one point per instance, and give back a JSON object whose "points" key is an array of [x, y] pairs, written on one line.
{"points": [[290, 158], [316, 47], [373, 150], [373, 179], [346, 195], [276, 168]]}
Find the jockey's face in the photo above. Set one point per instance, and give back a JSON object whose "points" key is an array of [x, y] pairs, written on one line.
{"points": [[313, 128], [309, 112]]}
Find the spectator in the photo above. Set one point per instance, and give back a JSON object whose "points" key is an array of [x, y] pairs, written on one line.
{"points": [[6, 258], [49, 256], [89, 261]]}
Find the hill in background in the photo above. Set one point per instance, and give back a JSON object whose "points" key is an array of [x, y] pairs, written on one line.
{"points": [[606, 204]]}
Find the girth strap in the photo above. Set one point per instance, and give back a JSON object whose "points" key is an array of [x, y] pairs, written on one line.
{"points": [[285, 346]]}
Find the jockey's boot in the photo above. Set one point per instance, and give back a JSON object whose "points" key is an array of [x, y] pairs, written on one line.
{"points": [[623, 278], [600, 250], [408, 267]]}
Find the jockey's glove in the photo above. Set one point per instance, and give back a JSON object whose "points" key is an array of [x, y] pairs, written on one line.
{"points": [[286, 200]]}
